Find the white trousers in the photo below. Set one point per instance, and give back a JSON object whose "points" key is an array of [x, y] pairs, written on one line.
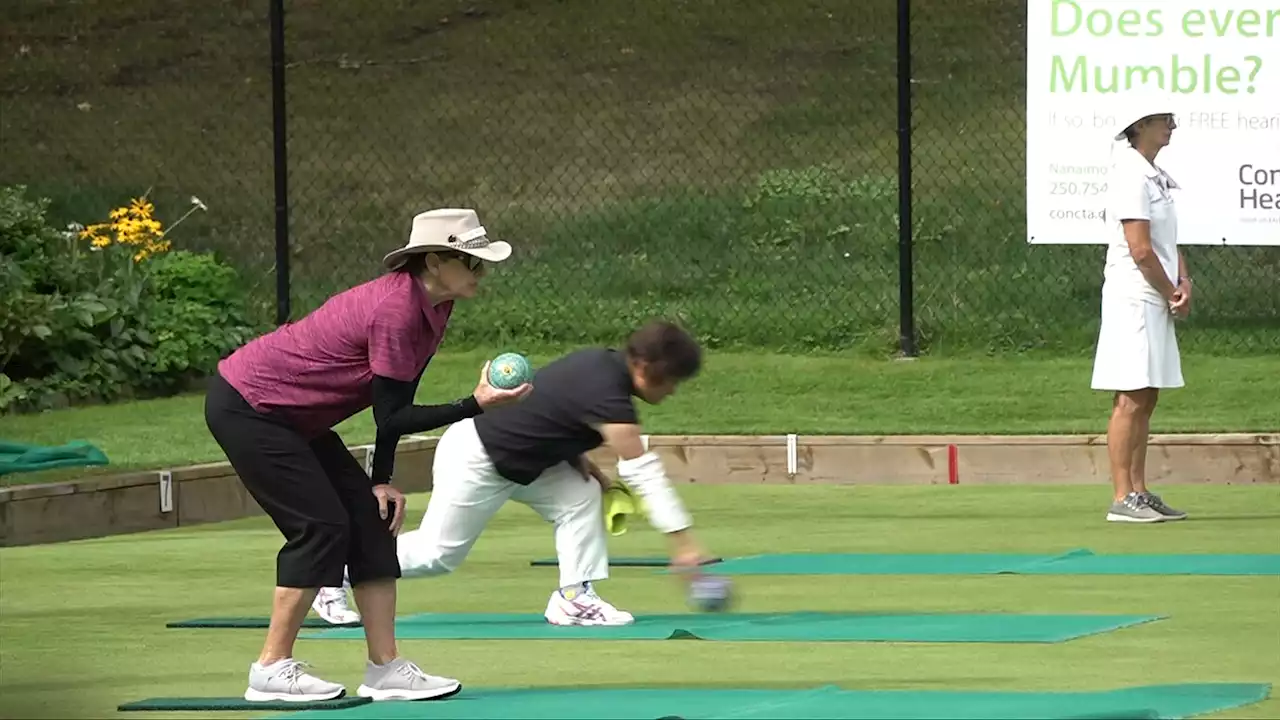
{"points": [[466, 493]]}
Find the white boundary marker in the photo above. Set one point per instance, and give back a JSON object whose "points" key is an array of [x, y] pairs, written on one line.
{"points": [[166, 490], [792, 460]]}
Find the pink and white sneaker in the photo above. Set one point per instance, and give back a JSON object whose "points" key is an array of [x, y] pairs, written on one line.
{"points": [[582, 606], [331, 605]]}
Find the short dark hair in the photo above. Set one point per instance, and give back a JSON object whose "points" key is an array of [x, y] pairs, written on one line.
{"points": [[414, 264], [668, 351]]}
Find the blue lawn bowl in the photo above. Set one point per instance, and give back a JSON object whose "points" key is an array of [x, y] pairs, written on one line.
{"points": [[710, 593], [510, 370]]}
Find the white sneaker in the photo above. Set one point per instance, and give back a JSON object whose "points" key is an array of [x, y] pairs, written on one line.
{"points": [[571, 606], [402, 680], [331, 605], [287, 680]]}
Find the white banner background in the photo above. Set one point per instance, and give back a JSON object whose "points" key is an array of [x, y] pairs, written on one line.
{"points": [[1217, 62]]}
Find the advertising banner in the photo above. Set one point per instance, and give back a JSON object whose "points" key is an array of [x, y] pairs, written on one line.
{"points": [[1214, 63]]}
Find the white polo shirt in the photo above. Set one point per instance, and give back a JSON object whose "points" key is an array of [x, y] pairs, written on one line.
{"points": [[1138, 190]]}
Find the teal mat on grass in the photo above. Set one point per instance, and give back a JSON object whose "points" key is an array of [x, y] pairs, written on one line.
{"points": [[18, 457], [223, 704], [260, 623], [1159, 701], [1075, 562], [740, 627], [1089, 564], [619, 562], [875, 564]]}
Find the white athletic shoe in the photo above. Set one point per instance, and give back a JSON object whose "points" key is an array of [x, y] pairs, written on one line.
{"points": [[402, 680], [573, 606], [288, 680], [331, 604]]}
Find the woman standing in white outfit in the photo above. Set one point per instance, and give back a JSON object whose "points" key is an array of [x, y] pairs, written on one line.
{"points": [[1146, 286]]}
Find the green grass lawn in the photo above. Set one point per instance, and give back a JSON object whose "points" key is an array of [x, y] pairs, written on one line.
{"points": [[750, 394], [82, 623]]}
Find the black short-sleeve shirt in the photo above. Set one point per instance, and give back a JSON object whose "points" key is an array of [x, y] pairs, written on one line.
{"points": [[553, 424]]}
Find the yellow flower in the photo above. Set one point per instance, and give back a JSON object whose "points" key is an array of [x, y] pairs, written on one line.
{"points": [[132, 224], [93, 234]]}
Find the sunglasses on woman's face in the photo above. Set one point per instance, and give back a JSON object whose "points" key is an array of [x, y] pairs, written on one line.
{"points": [[472, 262]]}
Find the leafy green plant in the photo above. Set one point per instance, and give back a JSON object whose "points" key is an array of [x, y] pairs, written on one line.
{"points": [[11, 393], [106, 312], [195, 314], [47, 259]]}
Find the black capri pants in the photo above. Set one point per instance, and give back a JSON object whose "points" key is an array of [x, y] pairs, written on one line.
{"points": [[315, 492]]}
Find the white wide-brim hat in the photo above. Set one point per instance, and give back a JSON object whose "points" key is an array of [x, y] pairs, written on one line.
{"points": [[456, 229], [1136, 111]]}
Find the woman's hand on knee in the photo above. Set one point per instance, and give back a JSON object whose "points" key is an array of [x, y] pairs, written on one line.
{"points": [[390, 495]]}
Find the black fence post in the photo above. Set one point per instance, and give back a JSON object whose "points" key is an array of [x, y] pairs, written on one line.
{"points": [[906, 290], [279, 144]]}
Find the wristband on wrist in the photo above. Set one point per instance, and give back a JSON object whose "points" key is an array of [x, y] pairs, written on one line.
{"points": [[646, 475]]}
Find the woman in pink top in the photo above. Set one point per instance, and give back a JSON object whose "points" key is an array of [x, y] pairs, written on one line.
{"points": [[272, 407]]}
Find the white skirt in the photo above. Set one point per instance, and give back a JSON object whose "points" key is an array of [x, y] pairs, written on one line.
{"points": [[1137, 346]]}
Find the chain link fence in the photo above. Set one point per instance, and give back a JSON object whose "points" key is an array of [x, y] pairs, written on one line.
{"points": [[732, 164]]}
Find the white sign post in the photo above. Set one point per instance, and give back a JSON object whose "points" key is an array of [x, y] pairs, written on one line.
{"points": [[1215, 62]]}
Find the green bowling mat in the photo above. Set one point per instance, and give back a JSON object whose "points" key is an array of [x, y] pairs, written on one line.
{"points": [[246, 622], [1086, 563], [1075, 562], [618, 562], [1160, 701], [876, 564], [17, 457], [777, 627], [197, 704]]}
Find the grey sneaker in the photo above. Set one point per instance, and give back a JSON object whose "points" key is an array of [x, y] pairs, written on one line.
{"points": [[402, 680], [1157, 504], [287, 680], [1133, 508]]}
